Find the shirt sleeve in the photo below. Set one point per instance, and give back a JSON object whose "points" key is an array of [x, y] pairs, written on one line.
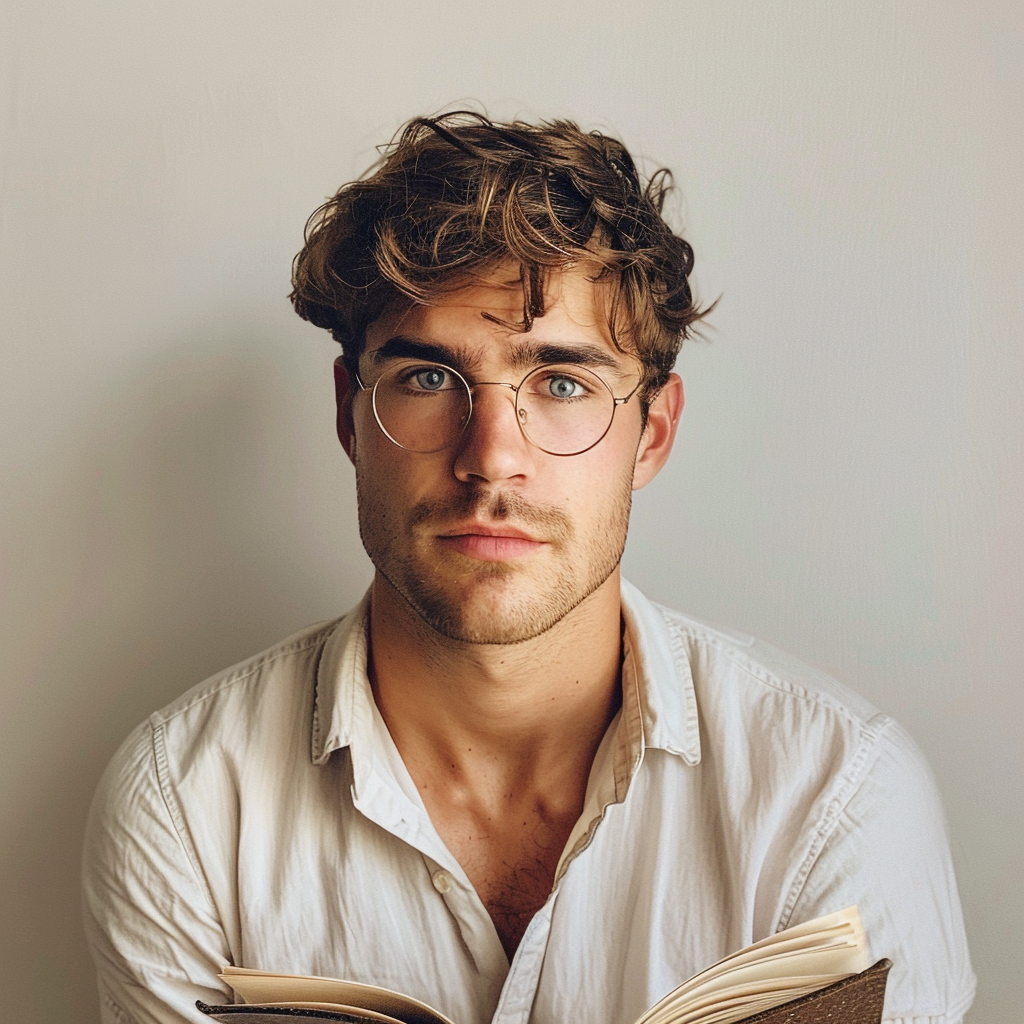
{"points": [[889, 853], [150, 922]]}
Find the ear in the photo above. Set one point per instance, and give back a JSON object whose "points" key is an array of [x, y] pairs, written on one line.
{"points": [[344, 391], [660, 432]]}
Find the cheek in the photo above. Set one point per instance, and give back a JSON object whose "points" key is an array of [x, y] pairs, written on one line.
{"points": [[610, 465], [601, 494], [388, 476], [366, 435]]}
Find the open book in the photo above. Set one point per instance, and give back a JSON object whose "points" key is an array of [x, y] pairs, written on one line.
{"points": [[815, 971]]}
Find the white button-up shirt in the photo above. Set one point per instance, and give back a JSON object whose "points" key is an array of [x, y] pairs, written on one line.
{"points": [[265, 819]]}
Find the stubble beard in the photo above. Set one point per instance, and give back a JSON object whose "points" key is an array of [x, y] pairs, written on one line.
{"points": [[478, 602]]}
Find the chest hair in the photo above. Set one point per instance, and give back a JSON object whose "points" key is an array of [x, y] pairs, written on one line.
{"points": [[511, 863]]}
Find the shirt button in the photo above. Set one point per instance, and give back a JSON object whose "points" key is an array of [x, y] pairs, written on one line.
{"points": [[442, 883]]}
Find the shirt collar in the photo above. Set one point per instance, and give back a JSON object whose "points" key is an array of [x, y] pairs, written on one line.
{"points": [[662, 683], [664, 680], [344, 701]]}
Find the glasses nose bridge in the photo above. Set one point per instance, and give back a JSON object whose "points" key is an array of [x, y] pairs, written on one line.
{"points": [[471, 388], [514, 388], [513, 397]]}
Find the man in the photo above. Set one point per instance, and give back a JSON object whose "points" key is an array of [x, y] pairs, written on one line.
{"points": [[506, 783]]}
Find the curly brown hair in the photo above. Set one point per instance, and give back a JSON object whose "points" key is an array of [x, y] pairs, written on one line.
{"points": [[458, 195]]}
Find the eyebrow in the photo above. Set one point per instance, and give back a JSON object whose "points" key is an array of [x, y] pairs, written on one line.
{"points": [[402, 347], [524, 354]]}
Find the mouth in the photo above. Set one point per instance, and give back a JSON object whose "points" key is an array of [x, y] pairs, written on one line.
{"points": [[490, 543]]}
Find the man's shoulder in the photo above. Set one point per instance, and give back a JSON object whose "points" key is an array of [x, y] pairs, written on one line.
{"points": [[257, 712], [248, 683], [759, 710], [260, 705], [816, 760], [731, 667]]}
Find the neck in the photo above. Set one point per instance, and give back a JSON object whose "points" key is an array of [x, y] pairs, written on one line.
{"points": [[524, 710]]}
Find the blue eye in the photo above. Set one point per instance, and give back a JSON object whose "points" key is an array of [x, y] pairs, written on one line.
{"points": [[431, 379], [564, 387]]}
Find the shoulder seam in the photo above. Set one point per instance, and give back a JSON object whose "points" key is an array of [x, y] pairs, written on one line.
{"points": [[846, 786], [687, 624], [242, 673], [158, 721], [775, 682], [173, 811]]}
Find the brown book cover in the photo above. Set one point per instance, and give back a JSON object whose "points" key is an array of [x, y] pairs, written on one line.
{"points": [[243, 1014], [855, 1000]]}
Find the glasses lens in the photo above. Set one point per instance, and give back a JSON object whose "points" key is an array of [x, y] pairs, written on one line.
{"points": [[420, 406], [564, 409]]}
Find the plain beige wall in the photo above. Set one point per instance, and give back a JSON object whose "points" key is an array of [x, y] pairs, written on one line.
{"points": [[849, 471]]}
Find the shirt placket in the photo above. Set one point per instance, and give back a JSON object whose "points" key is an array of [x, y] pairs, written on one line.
{"points": [[475, 925], [382, 801], [517, 995], [515, 984], [613, 770]]}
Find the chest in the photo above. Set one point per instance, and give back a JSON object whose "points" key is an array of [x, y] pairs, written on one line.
{"points": [[510, 857]]}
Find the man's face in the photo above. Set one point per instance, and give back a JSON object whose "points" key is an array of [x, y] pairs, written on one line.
{"points": [[492, 540]]}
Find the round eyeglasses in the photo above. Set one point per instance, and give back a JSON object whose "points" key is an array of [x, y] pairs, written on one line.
{"points": [[561, 408]]}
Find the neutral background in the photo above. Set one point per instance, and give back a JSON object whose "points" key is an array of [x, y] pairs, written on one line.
{"points": [[850, 465]]}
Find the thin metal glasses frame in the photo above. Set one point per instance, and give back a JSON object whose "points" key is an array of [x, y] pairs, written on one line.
{"points": [[514, 388]]}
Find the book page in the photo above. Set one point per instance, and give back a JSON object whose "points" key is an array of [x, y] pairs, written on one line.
{"points": [[739, 1001], [774, 970]]}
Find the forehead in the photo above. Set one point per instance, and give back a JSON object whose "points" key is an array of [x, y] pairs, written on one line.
{"points": [[462, 322]]}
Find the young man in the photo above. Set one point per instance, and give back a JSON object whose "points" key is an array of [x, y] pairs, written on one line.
{"points": [[506, 783]]}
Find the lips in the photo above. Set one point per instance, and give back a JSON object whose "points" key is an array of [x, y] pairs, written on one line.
{"points": [[489, 543], [488, 530]]}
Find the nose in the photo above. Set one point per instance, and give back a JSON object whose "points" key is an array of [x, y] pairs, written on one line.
{"points": [[493, 447]]}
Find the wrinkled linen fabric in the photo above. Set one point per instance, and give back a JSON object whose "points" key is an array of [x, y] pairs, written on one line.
{"points": [[265, 819]]}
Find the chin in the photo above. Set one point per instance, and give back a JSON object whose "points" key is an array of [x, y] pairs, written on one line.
{"points": [[512, 612]]}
